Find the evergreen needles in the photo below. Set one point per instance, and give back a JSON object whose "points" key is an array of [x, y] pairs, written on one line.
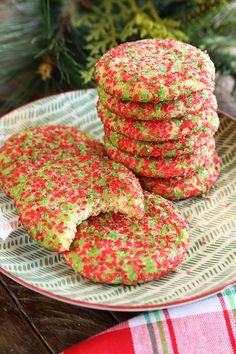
{"points": [[50, 46]]}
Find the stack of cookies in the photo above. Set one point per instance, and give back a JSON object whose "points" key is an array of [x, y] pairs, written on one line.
{"points": [[160, 114]]}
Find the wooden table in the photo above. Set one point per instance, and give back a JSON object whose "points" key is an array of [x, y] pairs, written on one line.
{"points": [[31, 323]]}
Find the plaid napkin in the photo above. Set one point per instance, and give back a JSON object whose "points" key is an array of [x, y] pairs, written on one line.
{"points": [[203, 327]]}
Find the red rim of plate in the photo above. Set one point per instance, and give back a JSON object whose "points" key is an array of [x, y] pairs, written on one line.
{"points": [[111, 307]]}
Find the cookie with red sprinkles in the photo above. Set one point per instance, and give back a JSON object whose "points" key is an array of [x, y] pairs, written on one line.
{"points": [[160, 111], [170, 148], [55, 197], [43, 142], [154, 70], [115, 249], [51, 141], [174, 129], [184, 187], [162, 167]]}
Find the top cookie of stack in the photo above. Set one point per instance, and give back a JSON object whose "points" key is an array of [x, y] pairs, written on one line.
{"points": [[154, 71], [159, 112]]}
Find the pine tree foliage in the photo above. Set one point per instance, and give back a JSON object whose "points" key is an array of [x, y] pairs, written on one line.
{"points": [[217, 34], [37, 55], [50, 46]]}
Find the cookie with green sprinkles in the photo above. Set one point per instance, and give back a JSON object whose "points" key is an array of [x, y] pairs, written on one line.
{"points": [[56, 196], [170, 148], [184, 187], [114, 249], [53, 141], [154, 70], [162, 167], [174, 129], [44, 142], [160, 111]]}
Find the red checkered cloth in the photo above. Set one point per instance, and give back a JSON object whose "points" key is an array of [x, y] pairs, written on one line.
{"points": [[203, 327]]}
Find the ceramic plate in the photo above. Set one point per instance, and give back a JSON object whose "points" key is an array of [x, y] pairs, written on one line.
{"points": [[208, 268]]}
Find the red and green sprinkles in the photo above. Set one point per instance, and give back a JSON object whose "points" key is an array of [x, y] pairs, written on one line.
{"points": [[170, 148], [50, 142], [54, 198], [159, 167], [173, 129], [115, 249], [154, 71], [187, 186], [53, 195], [160, 111]]}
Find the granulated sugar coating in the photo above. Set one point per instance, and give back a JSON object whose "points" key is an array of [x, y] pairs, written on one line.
{"points": [[58, 176], [157, 112], [52, 142], [170, 148], [154, 71], [173, 129], [159, 167], [184, 187], [30, 147], [115, 249], [55, 197]]}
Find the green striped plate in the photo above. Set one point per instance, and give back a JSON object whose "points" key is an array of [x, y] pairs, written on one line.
{"points": [[211, 262]]}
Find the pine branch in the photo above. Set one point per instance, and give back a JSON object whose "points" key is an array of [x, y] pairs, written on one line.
{"points": [[35, 49], [51, 46], [215, 32]]}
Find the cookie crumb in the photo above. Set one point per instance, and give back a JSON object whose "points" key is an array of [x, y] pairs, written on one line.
{"points": [[206, 197], [189, 217], [188, 271], [177, 270], [203, 242]]}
